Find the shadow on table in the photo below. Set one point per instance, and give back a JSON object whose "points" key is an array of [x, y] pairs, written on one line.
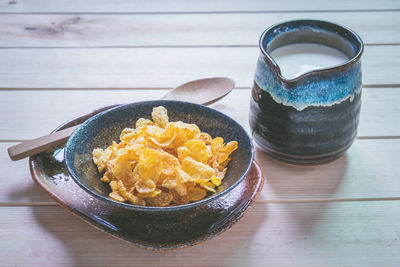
{"points": [[285, 182], [87, 246]]}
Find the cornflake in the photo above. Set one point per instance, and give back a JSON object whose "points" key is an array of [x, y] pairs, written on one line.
{"points": [[161, 163]]}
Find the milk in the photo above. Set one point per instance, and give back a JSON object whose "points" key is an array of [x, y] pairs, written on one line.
{"points": [[296, 59]]}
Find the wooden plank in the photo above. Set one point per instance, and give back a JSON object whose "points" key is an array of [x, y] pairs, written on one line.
{"points": [[369, 170], [23, 111], [335, 234], [143, 6], [86, 30], [157, 67], [17, 184]]}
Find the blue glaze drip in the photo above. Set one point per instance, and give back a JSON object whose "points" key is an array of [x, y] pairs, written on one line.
{"points": [[313, 90]]}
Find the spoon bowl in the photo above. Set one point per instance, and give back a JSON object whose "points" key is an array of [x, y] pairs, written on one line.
{"points": [[203, 91]]}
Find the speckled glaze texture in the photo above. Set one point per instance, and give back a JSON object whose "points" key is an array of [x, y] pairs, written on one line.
{"points": [[103, 128], [313, 118], [158, 231]]}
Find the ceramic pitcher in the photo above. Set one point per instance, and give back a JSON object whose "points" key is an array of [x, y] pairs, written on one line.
{"points": [[312, 118]]}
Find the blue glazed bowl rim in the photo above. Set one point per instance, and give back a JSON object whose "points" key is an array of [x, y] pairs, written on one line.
{"points": [[75, 176], [352, 60]]}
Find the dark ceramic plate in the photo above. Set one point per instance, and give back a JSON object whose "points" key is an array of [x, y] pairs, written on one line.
{"points": [[105, 127], [155, 231]]}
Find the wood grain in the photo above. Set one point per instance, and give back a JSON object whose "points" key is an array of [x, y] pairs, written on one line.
{"points": [[335, 234], [26, 110], [369, 170], [243, 29], [157, 67], [144, 6]]}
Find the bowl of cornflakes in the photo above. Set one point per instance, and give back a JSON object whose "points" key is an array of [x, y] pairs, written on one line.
{"points": [[159, 155]]}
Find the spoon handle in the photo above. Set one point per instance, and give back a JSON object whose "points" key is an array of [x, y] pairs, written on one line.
{"points": [[35, 146], [41, 144]]}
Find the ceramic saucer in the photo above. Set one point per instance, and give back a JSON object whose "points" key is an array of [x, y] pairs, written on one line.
{"points": [[149, 231]]}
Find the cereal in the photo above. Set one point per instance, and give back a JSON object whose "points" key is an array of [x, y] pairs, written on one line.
{"points": [[161, 163]]}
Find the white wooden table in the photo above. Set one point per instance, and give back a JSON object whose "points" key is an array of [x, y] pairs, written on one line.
{"points": [[60, 59]]}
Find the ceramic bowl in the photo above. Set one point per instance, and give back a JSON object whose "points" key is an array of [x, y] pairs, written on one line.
{"points": [[100, 130]]}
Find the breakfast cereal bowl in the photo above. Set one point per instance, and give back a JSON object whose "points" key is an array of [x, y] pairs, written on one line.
{"points": [[102, 129]]}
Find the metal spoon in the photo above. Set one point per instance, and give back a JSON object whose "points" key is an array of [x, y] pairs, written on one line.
{"points": [[203, 91]]}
